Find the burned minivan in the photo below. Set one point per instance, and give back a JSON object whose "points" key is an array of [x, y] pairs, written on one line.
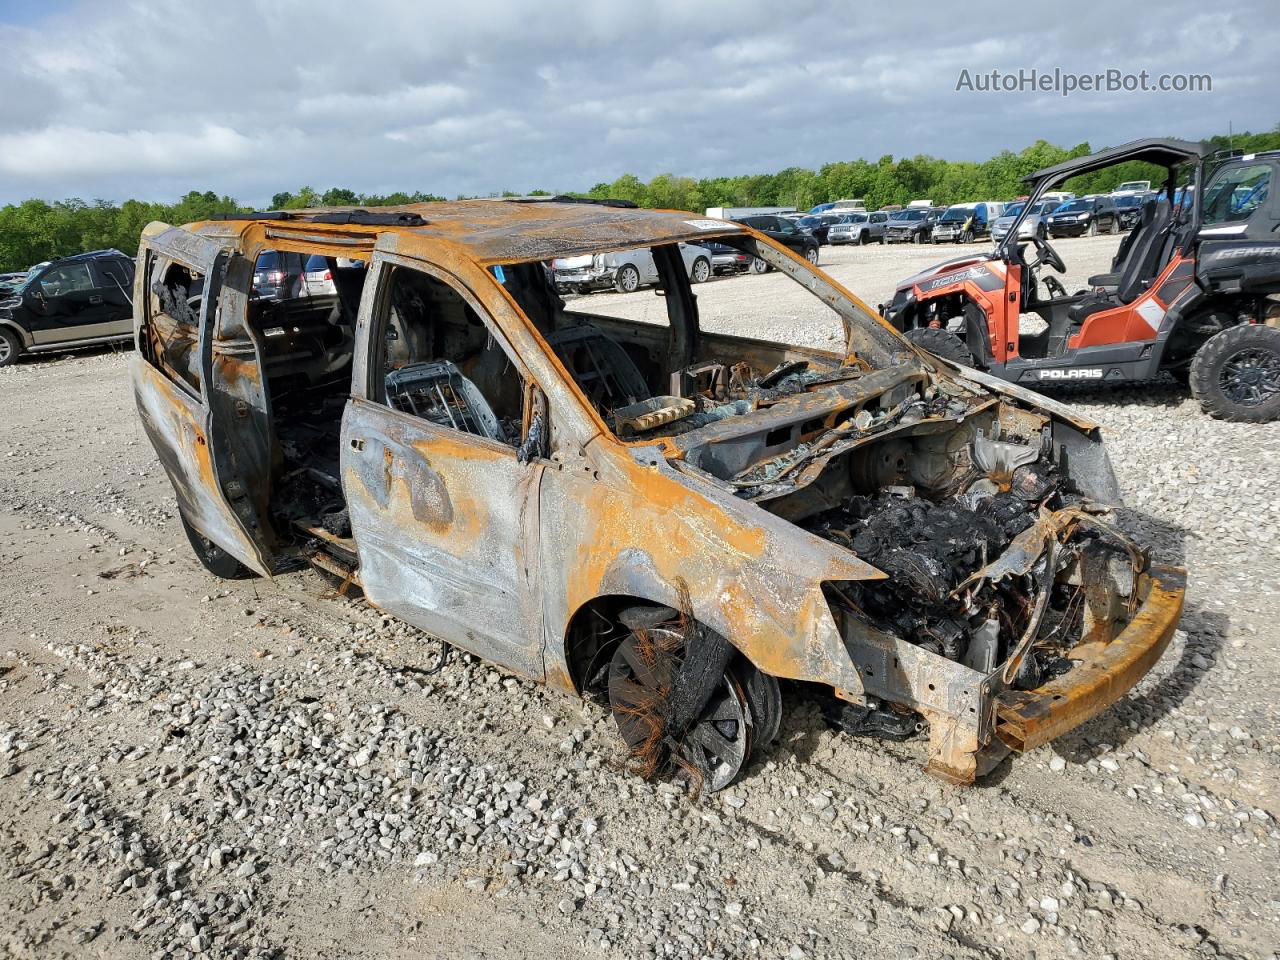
{"points": [[618, 502]]}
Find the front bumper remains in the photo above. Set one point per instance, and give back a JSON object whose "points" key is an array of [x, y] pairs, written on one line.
{"points": [[584, 278], [1028, 719]]}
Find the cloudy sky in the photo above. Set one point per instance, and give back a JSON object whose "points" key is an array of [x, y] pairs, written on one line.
{"points": [[151, 98]]}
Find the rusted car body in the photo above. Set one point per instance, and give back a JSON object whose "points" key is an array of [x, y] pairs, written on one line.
{"points": [[502, 488]]}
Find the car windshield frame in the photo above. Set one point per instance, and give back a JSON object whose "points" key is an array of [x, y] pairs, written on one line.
{"points": [[1079, 205], [958, 214], [869, 338], [909, 215]]}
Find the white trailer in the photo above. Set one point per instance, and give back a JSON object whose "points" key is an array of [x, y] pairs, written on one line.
{"points": [[735, 213]]}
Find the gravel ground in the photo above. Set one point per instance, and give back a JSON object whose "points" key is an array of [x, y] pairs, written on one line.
{"points": [[196, 768]]}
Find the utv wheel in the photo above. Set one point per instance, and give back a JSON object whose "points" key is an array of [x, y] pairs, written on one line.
{"points": [[1236, 374], [812, 255], [941, 343], [759, 266], [10, 347], [627, 279], [701, 271], [212, 557]]}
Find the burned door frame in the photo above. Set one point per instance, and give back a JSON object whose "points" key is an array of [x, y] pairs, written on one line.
{"points": [[199, 447], [442, 543]]}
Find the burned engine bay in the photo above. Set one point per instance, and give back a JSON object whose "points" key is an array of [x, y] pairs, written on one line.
{"points": [[994, 553]]}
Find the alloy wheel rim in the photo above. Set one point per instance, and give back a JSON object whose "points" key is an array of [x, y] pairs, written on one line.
{"points": [[1251, 377]]}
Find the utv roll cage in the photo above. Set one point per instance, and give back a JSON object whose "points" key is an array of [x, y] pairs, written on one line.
{"points": [[1169, 154]]}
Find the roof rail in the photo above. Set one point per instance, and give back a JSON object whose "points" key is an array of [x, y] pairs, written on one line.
{"points": [[362, 218], [565, 198], [255, 215], [365, 218]]}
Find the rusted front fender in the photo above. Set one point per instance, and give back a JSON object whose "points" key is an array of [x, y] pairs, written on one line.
{"points": [[1026, 719]]}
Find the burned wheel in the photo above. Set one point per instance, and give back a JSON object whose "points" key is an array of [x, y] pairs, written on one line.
{"points": [[715, 748], [764, 697], [1236, 374], [212, 557]]}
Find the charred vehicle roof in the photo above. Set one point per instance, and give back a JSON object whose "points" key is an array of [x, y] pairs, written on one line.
{"points": [[669, 518]]}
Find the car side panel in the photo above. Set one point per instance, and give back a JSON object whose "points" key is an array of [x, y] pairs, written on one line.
{"points": [[442, 523], [621, 528], [178, 426]]}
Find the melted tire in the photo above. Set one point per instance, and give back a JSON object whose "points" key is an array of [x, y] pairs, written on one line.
{"points": [[1223, 366], [941, 343], [212, 557]]}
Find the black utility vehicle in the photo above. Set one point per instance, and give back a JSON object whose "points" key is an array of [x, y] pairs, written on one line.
{"points": [[783, 231], [72, 302], [1088, 215]]}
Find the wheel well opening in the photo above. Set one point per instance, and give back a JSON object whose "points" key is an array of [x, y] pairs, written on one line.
{"points": [[594, 631]]}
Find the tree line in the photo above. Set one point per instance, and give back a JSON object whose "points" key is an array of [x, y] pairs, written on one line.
{"points": [[37, 230]]}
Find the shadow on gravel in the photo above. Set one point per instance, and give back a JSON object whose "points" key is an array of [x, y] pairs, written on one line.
{"points": [[1161, 391], [1205, 631]]}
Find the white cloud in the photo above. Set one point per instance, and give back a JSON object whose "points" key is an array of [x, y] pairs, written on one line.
{"points": [[152, 97], [72, 151]]}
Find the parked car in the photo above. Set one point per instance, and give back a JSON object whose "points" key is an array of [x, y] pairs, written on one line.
{"points": [[912, 225], [965, 222], [653, 513], [819, 224], [1132, 188], [626, 271], [1129, 209], [70, 302], [1034, 225], [277, 276], [1085, 215], [726, 259], [782, 231], [316, 279], [859, 228]]}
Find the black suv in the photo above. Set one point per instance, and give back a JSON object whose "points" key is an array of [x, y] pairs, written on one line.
{"points": [[72, 302], [1087, 215], [784, 232]]}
